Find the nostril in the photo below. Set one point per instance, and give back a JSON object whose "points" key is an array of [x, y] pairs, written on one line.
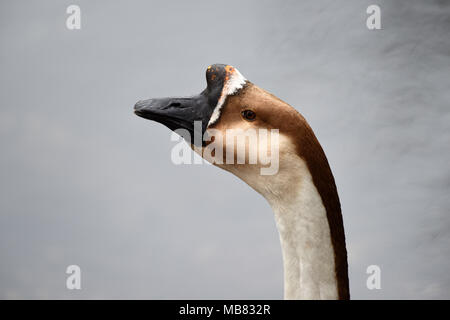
{"points": [[171, 105]]}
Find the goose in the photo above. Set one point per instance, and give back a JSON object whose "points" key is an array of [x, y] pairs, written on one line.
{"points": [[302, 193]]}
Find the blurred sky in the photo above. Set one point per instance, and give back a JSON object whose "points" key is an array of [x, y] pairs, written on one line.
{"points": [[84, 181]]}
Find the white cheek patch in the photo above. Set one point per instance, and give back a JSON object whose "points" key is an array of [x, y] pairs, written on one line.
{"points": [[235, 82]]}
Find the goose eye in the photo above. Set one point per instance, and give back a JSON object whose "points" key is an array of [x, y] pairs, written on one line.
{"points": [[248, 115]]}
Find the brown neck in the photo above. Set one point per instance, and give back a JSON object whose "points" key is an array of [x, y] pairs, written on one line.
{"points": [[308, 147]]}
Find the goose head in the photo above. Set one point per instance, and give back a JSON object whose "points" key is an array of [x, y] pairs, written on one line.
{"points": [[233, 109]]}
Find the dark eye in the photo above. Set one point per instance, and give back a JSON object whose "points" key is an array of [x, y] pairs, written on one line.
{"points": [[248, 115]]}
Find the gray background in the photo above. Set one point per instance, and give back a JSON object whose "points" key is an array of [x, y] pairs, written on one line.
{"points": [[84, 181]]}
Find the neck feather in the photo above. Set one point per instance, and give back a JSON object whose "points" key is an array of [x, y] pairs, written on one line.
{"points": [[308, 253], [307, 211]]}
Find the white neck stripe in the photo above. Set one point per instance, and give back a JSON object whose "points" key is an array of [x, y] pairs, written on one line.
{"points": [[233, 85]]}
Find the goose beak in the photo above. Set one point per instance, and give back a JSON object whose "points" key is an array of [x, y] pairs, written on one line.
{"points": [[176, 113], [183, 113]]}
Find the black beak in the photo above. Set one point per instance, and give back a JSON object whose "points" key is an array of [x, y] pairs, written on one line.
{"points": [[182, 113], [177, 113]]}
